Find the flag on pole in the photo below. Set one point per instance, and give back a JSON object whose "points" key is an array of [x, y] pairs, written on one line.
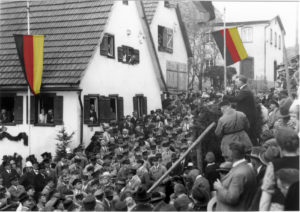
{"points": [[235, 50], [31, 50]]}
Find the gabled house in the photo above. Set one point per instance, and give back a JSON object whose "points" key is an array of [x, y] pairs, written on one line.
{"points": [[171, 42], [263, 42], [99, 65]]}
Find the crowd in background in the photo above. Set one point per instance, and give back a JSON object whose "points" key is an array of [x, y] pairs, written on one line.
{"points": [[250, 161]]}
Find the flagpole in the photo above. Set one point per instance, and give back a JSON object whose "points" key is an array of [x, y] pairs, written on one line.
{"points": [[225, 69], [28, 89]]}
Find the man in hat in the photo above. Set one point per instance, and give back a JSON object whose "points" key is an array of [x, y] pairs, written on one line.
{"points": [[89, 203], [142, 198], [180, 198], [28, 177], [134, 181], [15, 189], [245, 102], [143, 173], [177, 171], [41, 179], [211, 173], [77, 187], [237, 189], [166, 153], [260, 169], [157, 170], [7, 173], [274, 113], [232, 127], [157, 200]]}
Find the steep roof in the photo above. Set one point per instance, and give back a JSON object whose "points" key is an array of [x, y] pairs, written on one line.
{"points": [[150, 8], [72, 30]]}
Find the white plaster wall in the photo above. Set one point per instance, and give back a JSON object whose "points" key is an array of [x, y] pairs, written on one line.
{"points": [[107, 76], [43, 138], [167, 17], [273, 53]]}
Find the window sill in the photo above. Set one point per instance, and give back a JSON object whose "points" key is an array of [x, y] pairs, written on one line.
{"points": [[165, 49], [8, 124], [44, 125]]}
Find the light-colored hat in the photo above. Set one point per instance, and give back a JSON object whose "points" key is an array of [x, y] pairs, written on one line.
{"points": [[28, 164]]}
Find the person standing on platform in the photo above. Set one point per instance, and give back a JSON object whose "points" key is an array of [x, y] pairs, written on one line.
{"points": [[245, 102]]}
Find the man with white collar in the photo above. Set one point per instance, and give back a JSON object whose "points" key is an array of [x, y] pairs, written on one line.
{"points": [[245, 102], [238, 187]]}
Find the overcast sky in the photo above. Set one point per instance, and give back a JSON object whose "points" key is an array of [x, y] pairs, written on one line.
{"points": [[248, 11]]}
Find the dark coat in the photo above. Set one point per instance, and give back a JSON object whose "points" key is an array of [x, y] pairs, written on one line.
{"points": [[211, 174], [177, 171], [6, 177], [28, 179], [40, 182], [245, 102], [143, 207]]}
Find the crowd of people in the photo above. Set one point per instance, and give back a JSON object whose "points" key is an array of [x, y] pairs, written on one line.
{"points": [[250, 161]]}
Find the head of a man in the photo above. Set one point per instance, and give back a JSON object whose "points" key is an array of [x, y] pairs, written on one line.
{"points": [[225, 106], [236, 151], [242, 80], [285, 178]]}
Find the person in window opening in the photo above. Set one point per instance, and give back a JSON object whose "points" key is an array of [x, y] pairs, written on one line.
{"points": [[93, 114], [42, 116], [50, 117], [4, 116]]}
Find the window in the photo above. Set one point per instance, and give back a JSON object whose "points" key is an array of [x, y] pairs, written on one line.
{"points": [[279, 42], [11, 109], [46, 109], [209, 62], [165, 39], [271, 35], [128, 55], [125, 2], [247, 34], [102, 109], [169, 4], [275, 42], [107, 46], [140, 105], [176, 75]]}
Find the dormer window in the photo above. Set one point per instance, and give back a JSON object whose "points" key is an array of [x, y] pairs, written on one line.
{"points": [[107, 46]]}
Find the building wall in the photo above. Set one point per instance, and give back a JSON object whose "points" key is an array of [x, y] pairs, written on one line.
{"points": [[43, 137], [167, 17], [107, 76], [273, 53], [263, 53]]}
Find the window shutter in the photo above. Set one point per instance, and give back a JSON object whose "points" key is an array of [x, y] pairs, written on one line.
{"points": [[120, 108], [86, 113], [165, 37], [120, 54], [135, 104], [104, 46], [105, 112], [112, 46], [18, 110], [33, 113], [144, 105], [170, 39], [137, 56], [58, 110], [160, 37]]}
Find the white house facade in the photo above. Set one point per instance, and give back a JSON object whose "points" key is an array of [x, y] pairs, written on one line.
{"points": [[171, 42], [263, 43], [95, 62]]}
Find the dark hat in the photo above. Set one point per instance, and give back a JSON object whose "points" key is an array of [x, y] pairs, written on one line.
{"points": [[152, 146], [76, 181], [243, 79], [41, 166], [141, 195], [223, 103], [154, 158], [165, 144], [45, 154], [284, 112], [95, 174], [95, 182], [145, 153], [109, 193], [69, 204], [274, 102], [126, 161], [256, 151], [158, 155], [157, 196], [225, 167]]}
